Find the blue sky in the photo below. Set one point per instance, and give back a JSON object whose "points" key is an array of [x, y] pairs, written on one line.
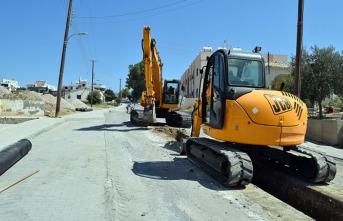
{"points": [[32, 34]]}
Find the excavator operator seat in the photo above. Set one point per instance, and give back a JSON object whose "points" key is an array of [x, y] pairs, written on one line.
{"points": [[171, 90]]}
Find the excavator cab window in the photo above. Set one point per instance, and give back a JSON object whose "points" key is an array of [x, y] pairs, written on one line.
{"points": [[245, 72], [171, 93]]}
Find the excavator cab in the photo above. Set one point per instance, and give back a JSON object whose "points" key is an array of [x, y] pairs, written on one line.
{"points": [[171, 91], [229, 75]]}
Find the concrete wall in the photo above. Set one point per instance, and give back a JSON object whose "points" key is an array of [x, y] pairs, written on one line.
{"points": [[21, 108], [325, 131], [188, 103]]}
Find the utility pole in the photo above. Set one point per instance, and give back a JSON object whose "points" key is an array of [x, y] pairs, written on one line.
{"points": [[299, 48], [92, 82], [58, 102], [120, 88]]}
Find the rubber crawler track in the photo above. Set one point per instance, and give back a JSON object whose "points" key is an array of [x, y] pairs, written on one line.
{"points": [[239, 169], [180, 119], [326, 167]]}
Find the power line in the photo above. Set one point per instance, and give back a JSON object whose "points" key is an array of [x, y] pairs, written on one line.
{"points": [[149, 15], [133, 13], [89, 48], [90, 12], [81, 47]]}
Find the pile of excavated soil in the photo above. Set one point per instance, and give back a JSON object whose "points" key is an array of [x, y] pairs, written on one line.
{"points": [[66, 107], [175, 133], [23, 95], [3, 91], [77, 103], [48, 98]]}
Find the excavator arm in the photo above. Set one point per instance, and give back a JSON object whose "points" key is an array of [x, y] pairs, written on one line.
{"points": [[156, 103], [148, 95]]}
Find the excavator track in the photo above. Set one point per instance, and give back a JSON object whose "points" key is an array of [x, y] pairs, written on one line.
{"points": [[228, 165], [179, 119], [310, 166]]}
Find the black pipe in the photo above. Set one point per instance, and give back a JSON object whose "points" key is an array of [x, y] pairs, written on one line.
{"points": [[13, 153]]}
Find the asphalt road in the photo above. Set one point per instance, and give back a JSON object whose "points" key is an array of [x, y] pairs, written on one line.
{"points": [[112, 170]]}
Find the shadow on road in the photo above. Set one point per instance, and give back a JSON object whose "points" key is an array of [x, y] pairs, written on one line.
{"points": [[114, 127], [178, 169]]}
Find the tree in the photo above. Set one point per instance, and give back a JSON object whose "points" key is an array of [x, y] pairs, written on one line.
{"points": [[96, 97], [288, 81], [109, 95], [136, 80], [321, 74], [125, 92]]}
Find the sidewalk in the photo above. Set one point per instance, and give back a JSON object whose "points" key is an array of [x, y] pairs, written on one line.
{"points": [[12, 133]]}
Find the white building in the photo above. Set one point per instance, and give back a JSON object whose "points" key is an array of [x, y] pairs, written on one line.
{"points": [[42, 87], [275, 64], [10, 85], [81, 89], [191, 78]]}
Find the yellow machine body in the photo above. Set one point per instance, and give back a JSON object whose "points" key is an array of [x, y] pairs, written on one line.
{"points": [[263, 117]]}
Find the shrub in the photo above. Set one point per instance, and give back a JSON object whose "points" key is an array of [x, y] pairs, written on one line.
{"points": [[96, 97], [118, 100]]}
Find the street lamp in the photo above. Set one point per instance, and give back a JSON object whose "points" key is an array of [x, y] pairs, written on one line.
{"points": [[80, 33], [65, 42]]}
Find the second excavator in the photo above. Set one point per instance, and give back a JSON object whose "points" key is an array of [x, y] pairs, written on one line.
{"points": [[162, 99], [246, 122]]}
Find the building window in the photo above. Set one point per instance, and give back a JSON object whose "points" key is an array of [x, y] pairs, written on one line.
{"points": [[196, 92], [78, 97]]}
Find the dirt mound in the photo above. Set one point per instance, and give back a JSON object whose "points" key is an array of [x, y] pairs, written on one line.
{"points": [[175, 133], [23, 95], [77, 103], [52, 100], [66, 107], [3, 91]]}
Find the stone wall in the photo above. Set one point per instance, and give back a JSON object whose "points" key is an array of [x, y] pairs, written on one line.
{"points": [[325, 131], [21, 108]]}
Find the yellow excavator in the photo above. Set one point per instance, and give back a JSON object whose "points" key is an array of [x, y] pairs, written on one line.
{"points": [[162, 99], [245, 122]]}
